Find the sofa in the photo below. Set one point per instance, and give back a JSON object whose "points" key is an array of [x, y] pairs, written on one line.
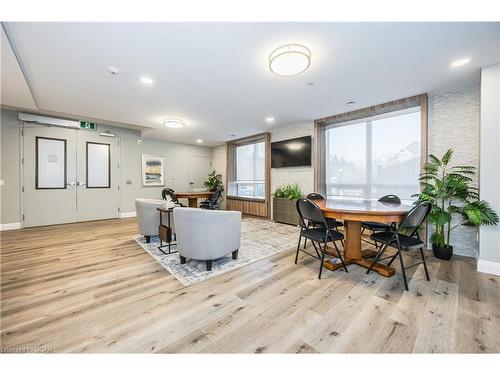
{"points": [[207, 235], [148, 217]]}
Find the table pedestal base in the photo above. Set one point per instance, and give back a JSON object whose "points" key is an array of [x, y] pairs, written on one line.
{"points": [[363, 262]]}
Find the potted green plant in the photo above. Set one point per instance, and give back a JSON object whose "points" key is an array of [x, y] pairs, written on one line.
{"points": [[214, 181], [449, 190], [284, 198]]}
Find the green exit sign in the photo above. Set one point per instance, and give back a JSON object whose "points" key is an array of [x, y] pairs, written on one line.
{"points": [[87, 125]]}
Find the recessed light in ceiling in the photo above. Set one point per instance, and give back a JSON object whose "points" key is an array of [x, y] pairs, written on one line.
{"points": [[199, 141], [174, 123], [289, 60], [350, 103], [113, 70], [146, 80], [310, 83], [269, 120], [460, 62]]}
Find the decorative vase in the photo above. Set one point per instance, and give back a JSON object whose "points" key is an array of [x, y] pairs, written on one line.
{"points": [[443, 253]]}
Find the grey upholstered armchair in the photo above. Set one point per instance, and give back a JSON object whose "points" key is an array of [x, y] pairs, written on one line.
{"points": [[207, 235], [148, 218]]}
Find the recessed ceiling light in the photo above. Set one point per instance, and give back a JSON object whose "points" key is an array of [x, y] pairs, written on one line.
{"points": [[146, 80], [460, 62], [174, 123], [310, 83], [113, 70], [289, 60], [199, 141], [350, 103], [269, 120]]}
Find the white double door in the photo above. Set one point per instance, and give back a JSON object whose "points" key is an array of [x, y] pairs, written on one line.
{"points": [[69, 175]]}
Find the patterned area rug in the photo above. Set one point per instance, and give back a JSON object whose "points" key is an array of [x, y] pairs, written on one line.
{"points": [[259, 239]]}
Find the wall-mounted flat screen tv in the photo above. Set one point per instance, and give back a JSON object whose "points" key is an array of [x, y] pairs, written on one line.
{"points": [[291, 153]]}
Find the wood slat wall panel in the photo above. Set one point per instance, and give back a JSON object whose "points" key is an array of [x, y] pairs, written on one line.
{"points": [[247, 207]]}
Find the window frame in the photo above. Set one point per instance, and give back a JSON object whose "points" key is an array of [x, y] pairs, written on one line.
{"points": [[319, 135], [252, 206], [368, 123], [235, 184]]}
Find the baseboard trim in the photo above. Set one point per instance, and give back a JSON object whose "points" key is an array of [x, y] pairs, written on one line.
{"points": [[10, 226], [487, 266], [124, 215]]}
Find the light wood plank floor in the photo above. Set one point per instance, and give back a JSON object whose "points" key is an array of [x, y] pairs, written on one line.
{"points": [[89, 287]]}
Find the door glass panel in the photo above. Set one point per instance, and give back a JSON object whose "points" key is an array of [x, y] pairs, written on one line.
{"points": [[50, 163], [98, 165]]}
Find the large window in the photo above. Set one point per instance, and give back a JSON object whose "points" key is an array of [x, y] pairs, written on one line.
{"points": [[249, 171], [373, 157]]}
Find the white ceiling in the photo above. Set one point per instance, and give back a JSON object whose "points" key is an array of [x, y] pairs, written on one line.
{"points": [[14, 90], [215, 75]]}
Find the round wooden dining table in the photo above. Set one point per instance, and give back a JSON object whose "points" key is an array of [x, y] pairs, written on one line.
{"points": [[353, 212], [193, 197]]}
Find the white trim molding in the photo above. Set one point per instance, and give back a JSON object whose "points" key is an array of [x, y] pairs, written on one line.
{"points": [[124, 215], [10, 226], [487, 266]]}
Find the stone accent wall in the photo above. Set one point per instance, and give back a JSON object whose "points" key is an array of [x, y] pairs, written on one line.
{"points": [[303, 176], [454, 123]]}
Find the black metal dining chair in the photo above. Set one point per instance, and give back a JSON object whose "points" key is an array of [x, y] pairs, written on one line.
{"points": [[171, 193], [332, 223], [373, 225], [212, 203], [401, 241], [321, 233]]}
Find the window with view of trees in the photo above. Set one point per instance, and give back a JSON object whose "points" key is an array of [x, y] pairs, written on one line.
{"points": [[249, 179], [375, 156]]}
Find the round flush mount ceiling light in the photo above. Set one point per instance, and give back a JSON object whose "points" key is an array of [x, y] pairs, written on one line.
{"points": [[289, 60], [174, 123], [459, 62], [113, 70], [147, 80]]}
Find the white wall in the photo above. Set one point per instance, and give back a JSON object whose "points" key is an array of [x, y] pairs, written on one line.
{"points": [[489, 245], [176, 164], [454, 123], [10, 193]]}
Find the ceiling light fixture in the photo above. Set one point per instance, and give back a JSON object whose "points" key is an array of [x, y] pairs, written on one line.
{"points": [[269, 120], [350, 103], [460, 62], [289, 60], [113, 70], [174, 123], [199, 141], [146, 80]]}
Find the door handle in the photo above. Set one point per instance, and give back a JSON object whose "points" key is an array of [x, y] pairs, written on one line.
{"points": [[71, 183], [191, 183], [80, 183]]}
